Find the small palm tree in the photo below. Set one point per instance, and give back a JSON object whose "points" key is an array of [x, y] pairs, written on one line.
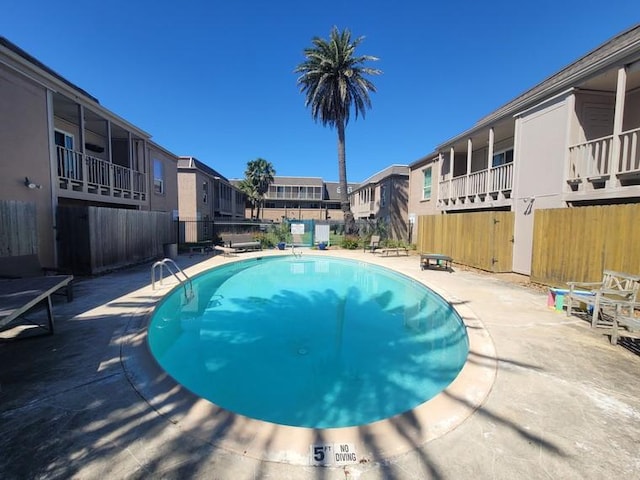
{"points": [[251, 193], [333, 80], [259, 174]]}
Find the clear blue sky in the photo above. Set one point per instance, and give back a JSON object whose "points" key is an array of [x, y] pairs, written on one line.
{"points": [[214, 79]]}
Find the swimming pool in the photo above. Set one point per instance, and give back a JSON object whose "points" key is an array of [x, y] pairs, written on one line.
{"points": [[315, 342]]}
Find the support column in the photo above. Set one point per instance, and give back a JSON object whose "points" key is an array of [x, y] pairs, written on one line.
{"points": [[617, 125], [130, 162], [467, 187], [110, 158], [53, 174], [490, 158]]}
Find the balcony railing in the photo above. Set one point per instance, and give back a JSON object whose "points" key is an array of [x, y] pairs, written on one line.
{"points": [[501, 178], [593, 160], [629, 153], [590, 159], [85, 173], [477, 183], [494, 181]]}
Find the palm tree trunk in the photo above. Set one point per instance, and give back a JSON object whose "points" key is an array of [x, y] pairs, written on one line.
{"points": [[345, 205]]}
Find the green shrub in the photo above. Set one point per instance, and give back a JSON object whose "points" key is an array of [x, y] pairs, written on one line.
{"points": [[266, 240], [350, 242]]}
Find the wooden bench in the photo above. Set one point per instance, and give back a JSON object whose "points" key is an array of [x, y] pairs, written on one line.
{"points": [[241, 242], [614, 288], [440, 261], [28, 266], [626, 318]]}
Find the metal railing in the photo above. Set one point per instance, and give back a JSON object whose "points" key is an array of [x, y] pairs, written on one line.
{"points": [[174, 270]]}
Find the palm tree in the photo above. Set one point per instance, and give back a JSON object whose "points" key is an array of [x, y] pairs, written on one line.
{"points": [[250, 191], [259, 174], [333, 80]]}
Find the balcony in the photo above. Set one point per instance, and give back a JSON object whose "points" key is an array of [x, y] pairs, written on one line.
{"points": [[594, 165], [484, 188], [83, 175]]}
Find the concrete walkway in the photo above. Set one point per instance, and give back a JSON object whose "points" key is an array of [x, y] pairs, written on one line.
{"points": [[564, 404]]}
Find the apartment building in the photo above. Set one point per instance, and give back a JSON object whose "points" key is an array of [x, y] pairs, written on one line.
{"points": [[384, 196], [570, 141], [301, 198], [59, 147]]}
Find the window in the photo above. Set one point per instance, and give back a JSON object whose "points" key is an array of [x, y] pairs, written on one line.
{"points": [[383, 195], [205, 192], [502, 158], [426, 183], [158, 176]]}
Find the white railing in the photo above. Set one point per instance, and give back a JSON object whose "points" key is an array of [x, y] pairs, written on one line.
{"points": [[444, 189], [500, 181], [69, 164], [98, 172], [88, 173], [501, 178], [459, 187], [590, 159], [121, 177], [629, 152], [477, 183]]}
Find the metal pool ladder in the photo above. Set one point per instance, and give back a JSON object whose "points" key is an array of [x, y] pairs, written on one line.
{"points": [[173, 269]]}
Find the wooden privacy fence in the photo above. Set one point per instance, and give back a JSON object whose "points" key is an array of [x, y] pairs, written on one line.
{"points": [[579, 243], [482, 239], [94, 239], [18, 228]]}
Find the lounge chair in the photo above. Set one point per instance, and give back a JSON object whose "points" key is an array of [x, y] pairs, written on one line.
{"points": [[373, 244], [19, 296], [28, 266]]}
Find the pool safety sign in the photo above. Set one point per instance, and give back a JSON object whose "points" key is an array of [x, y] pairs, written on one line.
{"points": [[333, 454]]}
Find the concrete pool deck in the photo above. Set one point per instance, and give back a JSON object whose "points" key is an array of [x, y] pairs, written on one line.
{"points": [[562, 403]]}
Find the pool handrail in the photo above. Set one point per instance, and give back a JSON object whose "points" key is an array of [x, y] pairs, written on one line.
{"points": [[168, 264]]}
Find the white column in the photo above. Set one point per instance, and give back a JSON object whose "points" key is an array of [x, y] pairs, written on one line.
{"points": [[110, 157], [469, 158], [490, 158], [452, 155], [617, 124]]}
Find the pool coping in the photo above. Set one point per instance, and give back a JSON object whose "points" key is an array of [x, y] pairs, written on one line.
{"points": [[374, 442]]}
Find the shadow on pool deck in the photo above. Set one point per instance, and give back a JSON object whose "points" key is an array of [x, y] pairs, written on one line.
{"points": [[565, 403]]}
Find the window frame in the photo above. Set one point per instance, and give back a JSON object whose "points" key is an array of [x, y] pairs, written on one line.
{"points": [[425, 195], [158, 181]]}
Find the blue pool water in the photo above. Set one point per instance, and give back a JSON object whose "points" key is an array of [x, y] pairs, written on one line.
{"points": [[311, 341]]}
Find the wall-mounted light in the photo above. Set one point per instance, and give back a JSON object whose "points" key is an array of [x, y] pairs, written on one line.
{"points": [[29, 184]]}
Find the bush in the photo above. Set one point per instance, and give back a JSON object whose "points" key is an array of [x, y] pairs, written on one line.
{"points": [[266, 240], [350, 242]]}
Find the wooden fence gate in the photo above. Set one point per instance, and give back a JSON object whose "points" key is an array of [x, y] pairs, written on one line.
{"points": [[481, 239]]}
